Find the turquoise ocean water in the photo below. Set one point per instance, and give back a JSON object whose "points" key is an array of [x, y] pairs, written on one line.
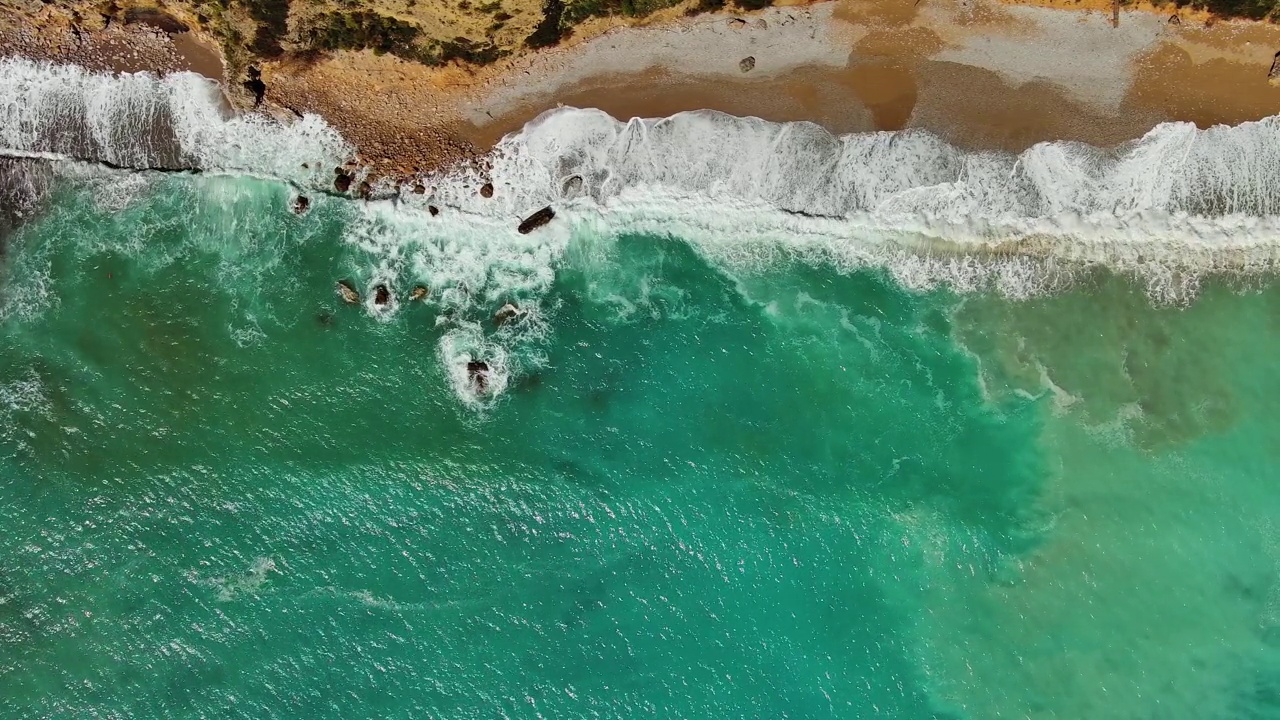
{"points": [[790, 425], [777, 490]]}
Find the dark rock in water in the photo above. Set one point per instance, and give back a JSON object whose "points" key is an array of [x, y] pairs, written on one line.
{"points": [[486, 190], [324, 319], [433, 210], [505, 314], [301, 205], [342, 182], [381, 295], [747, 64], [255, 85], [348, 292], [478, 374], [536, 220], [419, 292], [153, 17], [1273, 77], [419, 189], [365, 189]]}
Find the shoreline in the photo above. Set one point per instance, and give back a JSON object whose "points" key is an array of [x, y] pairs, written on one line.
{"points": [[981, 75]]}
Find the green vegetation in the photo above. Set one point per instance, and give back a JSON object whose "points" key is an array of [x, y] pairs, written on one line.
{"points": [[365, 30], [272, 17], [461, 48], [705, 6], [549, 31], [1252, 9], [582, 9], [362, 30]]}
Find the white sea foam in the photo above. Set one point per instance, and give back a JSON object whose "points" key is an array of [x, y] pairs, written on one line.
{"points": [[140, 120], [1170, 206]]}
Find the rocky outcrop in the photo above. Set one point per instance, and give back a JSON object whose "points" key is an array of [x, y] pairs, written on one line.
{"points": [[301, 204], [536, 220], [572, 187], [255, 85], [156, 18], [1273, 76], [419, 292], [505, 314], [381, 295], [478, 375], [341, 180], [348, 292], [486, 190]]}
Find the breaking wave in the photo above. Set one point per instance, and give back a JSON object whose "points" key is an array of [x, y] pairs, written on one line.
{"points": [[138, 120], [1170, 207]]}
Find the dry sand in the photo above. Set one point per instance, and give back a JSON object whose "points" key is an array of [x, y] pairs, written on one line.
{"points": [[980, 73]]}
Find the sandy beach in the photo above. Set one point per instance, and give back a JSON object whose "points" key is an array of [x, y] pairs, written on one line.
{"points": [[982, 75], [979, 73]]}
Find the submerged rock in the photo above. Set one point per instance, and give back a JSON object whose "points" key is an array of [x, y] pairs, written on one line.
{"points": [[348, 292], [419, 189], [486, 190], [433, 210], [342, 182], [747, 64], [478, 374], [419, 292], [572, 187], [506, 313], [536, 220], [381, 295]]}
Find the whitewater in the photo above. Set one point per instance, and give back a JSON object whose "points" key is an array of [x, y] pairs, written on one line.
{"points": [[1172, 205]]}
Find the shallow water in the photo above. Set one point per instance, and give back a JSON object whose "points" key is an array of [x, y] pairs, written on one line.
{"points": [[707, 488]]}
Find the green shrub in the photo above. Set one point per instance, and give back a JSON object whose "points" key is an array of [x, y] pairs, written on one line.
{"points": [[548, 32], [580, 10], [363, 30], [704, 6], [272, 17], [1252, 9], [466, 50]]}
